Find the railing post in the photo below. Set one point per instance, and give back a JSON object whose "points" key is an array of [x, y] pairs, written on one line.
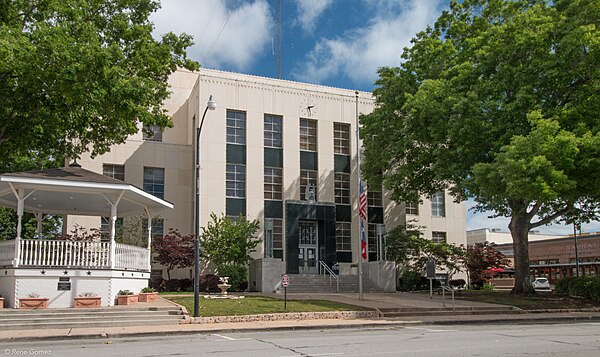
{"points": [[113, 219]]}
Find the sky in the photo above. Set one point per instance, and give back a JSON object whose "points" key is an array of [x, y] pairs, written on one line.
{"points": [[338, 43]]}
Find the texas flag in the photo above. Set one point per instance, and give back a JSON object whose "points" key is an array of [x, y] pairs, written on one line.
{"points": [[363, 241]]}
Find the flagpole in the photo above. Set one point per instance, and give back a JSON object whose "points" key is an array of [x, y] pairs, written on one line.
{"points": [[360, 259]]}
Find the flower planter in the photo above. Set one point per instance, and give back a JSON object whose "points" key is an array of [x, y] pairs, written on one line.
{"points": [[33, 303], [1, 303], [148, 297], [87, 301], [127, 299]]}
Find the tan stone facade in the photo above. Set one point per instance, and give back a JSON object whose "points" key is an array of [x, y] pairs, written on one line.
{"points": [[253, 99]]}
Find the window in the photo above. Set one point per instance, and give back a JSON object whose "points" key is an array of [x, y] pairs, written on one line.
{"points": [[308, 134], [412, 208], [277, 234], [342, 188], [235, 180], [114, 171], [273, 131], [308, 178], [154, 181], [105, 227], [155, 133], [438, 204], [157, 228], [273, 183], [374, 198], [372, 238], [343, 236], [341, 138], [236, 127], [438, 237]]}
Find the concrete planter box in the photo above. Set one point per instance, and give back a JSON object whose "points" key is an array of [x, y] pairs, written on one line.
{"points": [[87, 301], [1, 303], [127, 299], [148, 297], [33, 303]]}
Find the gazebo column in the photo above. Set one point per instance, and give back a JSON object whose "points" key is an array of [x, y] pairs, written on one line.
{"points": [[39, 217], [149, 216], [114, 203], [20, 194]]}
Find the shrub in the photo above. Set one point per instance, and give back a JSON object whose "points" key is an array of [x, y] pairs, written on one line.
{"points": [[148, 289], [583, 286], [172, 285], [125, 292], [457, 283], [487, 287], [237, 276], [209, 282], [158, 283], [409, 281]]}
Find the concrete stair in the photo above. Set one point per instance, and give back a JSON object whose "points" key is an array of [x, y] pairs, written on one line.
{"points": [[19, 319], [306, 283], [447, 311]]}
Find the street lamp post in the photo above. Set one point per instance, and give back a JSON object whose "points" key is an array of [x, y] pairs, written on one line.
{"points": [[212, 105]]}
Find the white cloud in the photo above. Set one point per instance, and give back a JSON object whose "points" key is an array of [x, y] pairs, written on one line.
{"points": [[309, 11], [223, 36], [358, 54]]}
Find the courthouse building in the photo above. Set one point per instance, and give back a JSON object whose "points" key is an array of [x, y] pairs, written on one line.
{"points": [[278, 151]]}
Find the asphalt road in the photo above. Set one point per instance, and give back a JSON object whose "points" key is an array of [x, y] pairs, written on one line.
{"points": [[573, 339]]}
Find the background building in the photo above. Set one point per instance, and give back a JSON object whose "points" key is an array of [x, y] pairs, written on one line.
{"points": [[279, 151]]}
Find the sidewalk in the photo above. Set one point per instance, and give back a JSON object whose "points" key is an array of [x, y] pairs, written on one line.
{"points": [[370, 300]]}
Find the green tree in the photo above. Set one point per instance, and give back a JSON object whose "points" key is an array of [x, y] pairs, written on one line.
{"points": [[499, 101], [406, 246], [229, 241], [79, 75]]}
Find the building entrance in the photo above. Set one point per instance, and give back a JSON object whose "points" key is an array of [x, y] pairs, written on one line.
{"points": [[308, 248]]}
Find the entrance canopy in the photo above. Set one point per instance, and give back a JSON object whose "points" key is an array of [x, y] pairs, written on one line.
{"points": [[75, 191]]}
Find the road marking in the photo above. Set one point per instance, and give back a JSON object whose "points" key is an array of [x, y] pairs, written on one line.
{"points": [[230, 338], [428, 329], [321, 354]]}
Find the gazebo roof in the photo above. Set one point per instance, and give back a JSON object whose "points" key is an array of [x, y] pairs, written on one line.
{"points": [[76, 191]]}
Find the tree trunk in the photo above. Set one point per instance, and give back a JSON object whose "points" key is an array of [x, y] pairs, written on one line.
{"points": [[519, 229]]}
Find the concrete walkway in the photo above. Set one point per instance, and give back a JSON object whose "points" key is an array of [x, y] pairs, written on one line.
{"points": [[370, 300]]}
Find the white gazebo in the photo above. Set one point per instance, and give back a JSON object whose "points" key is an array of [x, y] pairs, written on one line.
{"points": [[60, 269]]}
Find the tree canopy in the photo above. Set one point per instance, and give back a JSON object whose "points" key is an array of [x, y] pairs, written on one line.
{"points": [[498, 101], [79, 75], [229, 241], [174, 250], [406, 246]]}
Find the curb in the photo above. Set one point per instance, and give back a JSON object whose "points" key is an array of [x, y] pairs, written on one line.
{"points": [[383, 324]]}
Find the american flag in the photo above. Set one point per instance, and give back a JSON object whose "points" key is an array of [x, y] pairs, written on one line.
{"points": [[362, 202], [363, 241]]}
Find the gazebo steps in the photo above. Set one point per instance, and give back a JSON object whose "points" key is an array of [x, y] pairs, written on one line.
{"points": [[78, 318]]}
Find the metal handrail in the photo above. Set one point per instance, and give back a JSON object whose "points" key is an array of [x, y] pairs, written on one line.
{"points": [[331, 274], [444, 288]]}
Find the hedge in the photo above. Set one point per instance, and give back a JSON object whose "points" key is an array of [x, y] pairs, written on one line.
{"points": [[583, 286]]}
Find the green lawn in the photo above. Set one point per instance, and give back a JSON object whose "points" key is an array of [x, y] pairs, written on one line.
{"points": [[541, 300], [251, 305]]}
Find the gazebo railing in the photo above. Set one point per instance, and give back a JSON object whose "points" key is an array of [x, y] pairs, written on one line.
{"points": [[7, 252], [131, 257], [73, 254]]}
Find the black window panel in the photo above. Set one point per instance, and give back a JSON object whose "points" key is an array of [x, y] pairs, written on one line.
{"points": [[308, 160], [342, 163], [236, 154], [343, 213], [273, 157], [375, 214], [235, 206], [372, 256], [273, 209], [278, 253], [344, 257]]}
